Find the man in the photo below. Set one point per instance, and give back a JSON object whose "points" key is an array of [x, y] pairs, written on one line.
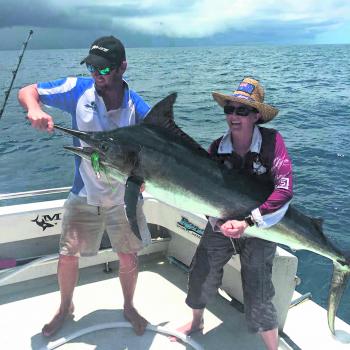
{"points": [[99, 103], [258, 152]]}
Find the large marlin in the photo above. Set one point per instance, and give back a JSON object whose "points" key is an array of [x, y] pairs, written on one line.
{"points": [[179, 172]]}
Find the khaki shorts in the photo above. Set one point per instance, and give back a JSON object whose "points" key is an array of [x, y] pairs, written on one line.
{"points": [[83, 226]]}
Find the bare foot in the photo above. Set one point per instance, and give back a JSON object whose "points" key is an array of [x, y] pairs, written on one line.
{"points": [[137, 321], [56, 323], [189, 328]]}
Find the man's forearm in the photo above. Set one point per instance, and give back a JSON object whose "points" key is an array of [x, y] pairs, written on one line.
{"points": [[29, 97]]}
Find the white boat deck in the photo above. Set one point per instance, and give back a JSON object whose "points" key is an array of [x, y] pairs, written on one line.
{"points": [[161, 291], [307, 326], [160, 296]]}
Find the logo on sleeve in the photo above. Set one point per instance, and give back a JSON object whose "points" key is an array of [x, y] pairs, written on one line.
{"points": [[283, 183]]}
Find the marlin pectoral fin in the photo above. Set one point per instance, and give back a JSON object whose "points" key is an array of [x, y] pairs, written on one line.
{"points": [[341, 274], [132, 192]]}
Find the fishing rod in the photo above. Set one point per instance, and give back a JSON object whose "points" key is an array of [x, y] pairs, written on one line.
{"points": [[7, 92]]}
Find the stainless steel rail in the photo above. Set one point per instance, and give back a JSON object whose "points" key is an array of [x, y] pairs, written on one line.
{"points": [[34, 193]]}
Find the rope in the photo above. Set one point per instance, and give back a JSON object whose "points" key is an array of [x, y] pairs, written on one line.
{"points": [[57, 343]]}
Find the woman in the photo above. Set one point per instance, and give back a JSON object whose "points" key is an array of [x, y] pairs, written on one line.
{"points": [[258, 152]]}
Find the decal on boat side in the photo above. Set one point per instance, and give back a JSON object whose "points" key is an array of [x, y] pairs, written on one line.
{"points": [[187, 225], [47, 221]]}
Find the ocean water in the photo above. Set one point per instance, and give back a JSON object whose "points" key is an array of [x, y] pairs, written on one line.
{"points": [[309, 84]]}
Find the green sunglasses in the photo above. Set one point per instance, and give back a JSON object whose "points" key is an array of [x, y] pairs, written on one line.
{"points": [[104, 71]]}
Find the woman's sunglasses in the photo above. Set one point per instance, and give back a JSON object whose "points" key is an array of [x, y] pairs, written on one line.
{"points": [[241, 110], [104, 71]]}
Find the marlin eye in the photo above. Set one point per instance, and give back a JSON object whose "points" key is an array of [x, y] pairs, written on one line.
{"points": [[104, 146]]}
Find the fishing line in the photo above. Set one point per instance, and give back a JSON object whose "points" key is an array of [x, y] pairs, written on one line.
{"points": [[7, 92]]}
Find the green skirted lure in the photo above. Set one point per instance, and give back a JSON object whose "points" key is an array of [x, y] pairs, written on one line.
{"points": [[96, 165], [95, 162]]}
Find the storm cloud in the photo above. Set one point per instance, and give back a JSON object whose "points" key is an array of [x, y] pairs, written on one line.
{"points": [[150, 22]]}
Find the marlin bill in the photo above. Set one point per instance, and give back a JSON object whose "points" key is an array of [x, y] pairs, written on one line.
{"points": [[178, 171]]}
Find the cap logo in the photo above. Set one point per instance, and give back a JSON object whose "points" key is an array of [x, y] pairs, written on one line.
{"points": [[99, 48], [246, 87]]}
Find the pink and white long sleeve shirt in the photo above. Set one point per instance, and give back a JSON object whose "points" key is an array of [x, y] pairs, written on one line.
{"points": [[269, 156]]}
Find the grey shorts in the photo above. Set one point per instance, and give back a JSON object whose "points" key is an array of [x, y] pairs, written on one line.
{"points": [[256, 256], [83, 226]]}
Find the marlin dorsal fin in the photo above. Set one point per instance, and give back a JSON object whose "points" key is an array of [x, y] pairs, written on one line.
{"points": [[161, 114]]}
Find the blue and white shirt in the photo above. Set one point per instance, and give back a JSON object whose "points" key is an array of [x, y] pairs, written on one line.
{"points": [[78, 97]]}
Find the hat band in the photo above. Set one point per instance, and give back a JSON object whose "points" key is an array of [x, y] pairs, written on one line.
{"points": [[244, 96]]}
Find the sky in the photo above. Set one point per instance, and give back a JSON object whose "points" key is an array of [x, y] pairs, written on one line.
{"points": [[138, 23]]}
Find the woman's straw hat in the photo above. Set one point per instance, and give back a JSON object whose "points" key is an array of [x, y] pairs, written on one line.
{"points": [[251, 93]]}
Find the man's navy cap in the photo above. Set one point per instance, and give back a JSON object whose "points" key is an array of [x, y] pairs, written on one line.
{"points": [[105, 51]]}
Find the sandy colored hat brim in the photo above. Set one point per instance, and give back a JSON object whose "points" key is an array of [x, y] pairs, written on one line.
{"points": [[96, 61], [267, 112]]}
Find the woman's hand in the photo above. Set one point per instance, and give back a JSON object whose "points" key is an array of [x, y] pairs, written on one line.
{"points": [[233, 228]]}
